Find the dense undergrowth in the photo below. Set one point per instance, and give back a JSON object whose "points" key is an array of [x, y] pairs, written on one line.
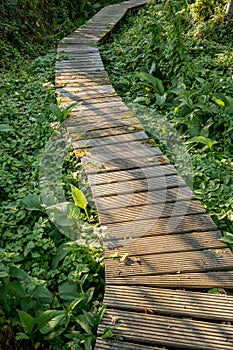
{"points": [[176, 59], [51, 286]]}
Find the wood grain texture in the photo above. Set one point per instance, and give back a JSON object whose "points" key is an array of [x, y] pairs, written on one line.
{"points": [[170, 302], [197, 280], [167, 331]]}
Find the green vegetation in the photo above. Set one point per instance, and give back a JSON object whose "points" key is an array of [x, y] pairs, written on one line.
{"points": [[176, 59], [51, 286]]}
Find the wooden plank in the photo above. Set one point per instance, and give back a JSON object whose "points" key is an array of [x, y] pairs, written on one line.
{"points": [[200, 280], [96, 105], [101, 123], [152, 211], [119, 201], [132, 174], [166, 244], [158, 182], [170, 302], [111, 131], [124, 150], [169, 331], [171, 263], [92, 90], [107, 110], [161, 226], [95, 117], [102, 344]]}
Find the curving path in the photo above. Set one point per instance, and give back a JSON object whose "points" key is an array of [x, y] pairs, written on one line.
{"points": [[162, 252]]}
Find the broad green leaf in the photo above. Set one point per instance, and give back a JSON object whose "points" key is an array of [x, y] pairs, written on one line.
{"points": [[6, 127], [201, 139], [21, 336], [42, 294], [82, 321], [61, 253], [227, 238], [50, 319], [27, 321], [19, 274], [32, 202], [108, 333], [89, 317], [56, 111], [74, 303], [62, 214], [68, 109], [78, 197], [68, 291]]}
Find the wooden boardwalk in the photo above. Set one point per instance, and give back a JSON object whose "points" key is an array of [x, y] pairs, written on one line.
{"points": [[167, 250]]}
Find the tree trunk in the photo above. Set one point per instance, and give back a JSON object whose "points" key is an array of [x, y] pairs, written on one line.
{"points": [[229, 11]]}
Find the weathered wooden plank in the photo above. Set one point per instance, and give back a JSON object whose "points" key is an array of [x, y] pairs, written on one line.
{"points": [[169, 331], [119, 202], [95, 117], [171, 263], [102, 123], [111, 131], [200, 280], [63, 66], [106, 109], [152, 211], [92, 90], [161, 226], [170, 302], [132, 174], [110, 140], [164, 244], [151, 183], [120, 345], [96, 105], [90, 102]]}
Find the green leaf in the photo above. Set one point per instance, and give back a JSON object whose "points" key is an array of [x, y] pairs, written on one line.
{"points": [[42, 294], [68, 291], [21, 336], [201, 139], [78, 197], [108, 333], [82, 321], [50, 319], [62, 214], [19, 274], [227, 238], [61, 253], [27, 321], [60, 114], [154, 82], [219, 102], [68, 109], [56, 111], [32, 202], [74, 303], [5, 128]]}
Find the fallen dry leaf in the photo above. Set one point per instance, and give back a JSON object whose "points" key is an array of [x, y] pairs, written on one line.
{"points": [[114, 320]]}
